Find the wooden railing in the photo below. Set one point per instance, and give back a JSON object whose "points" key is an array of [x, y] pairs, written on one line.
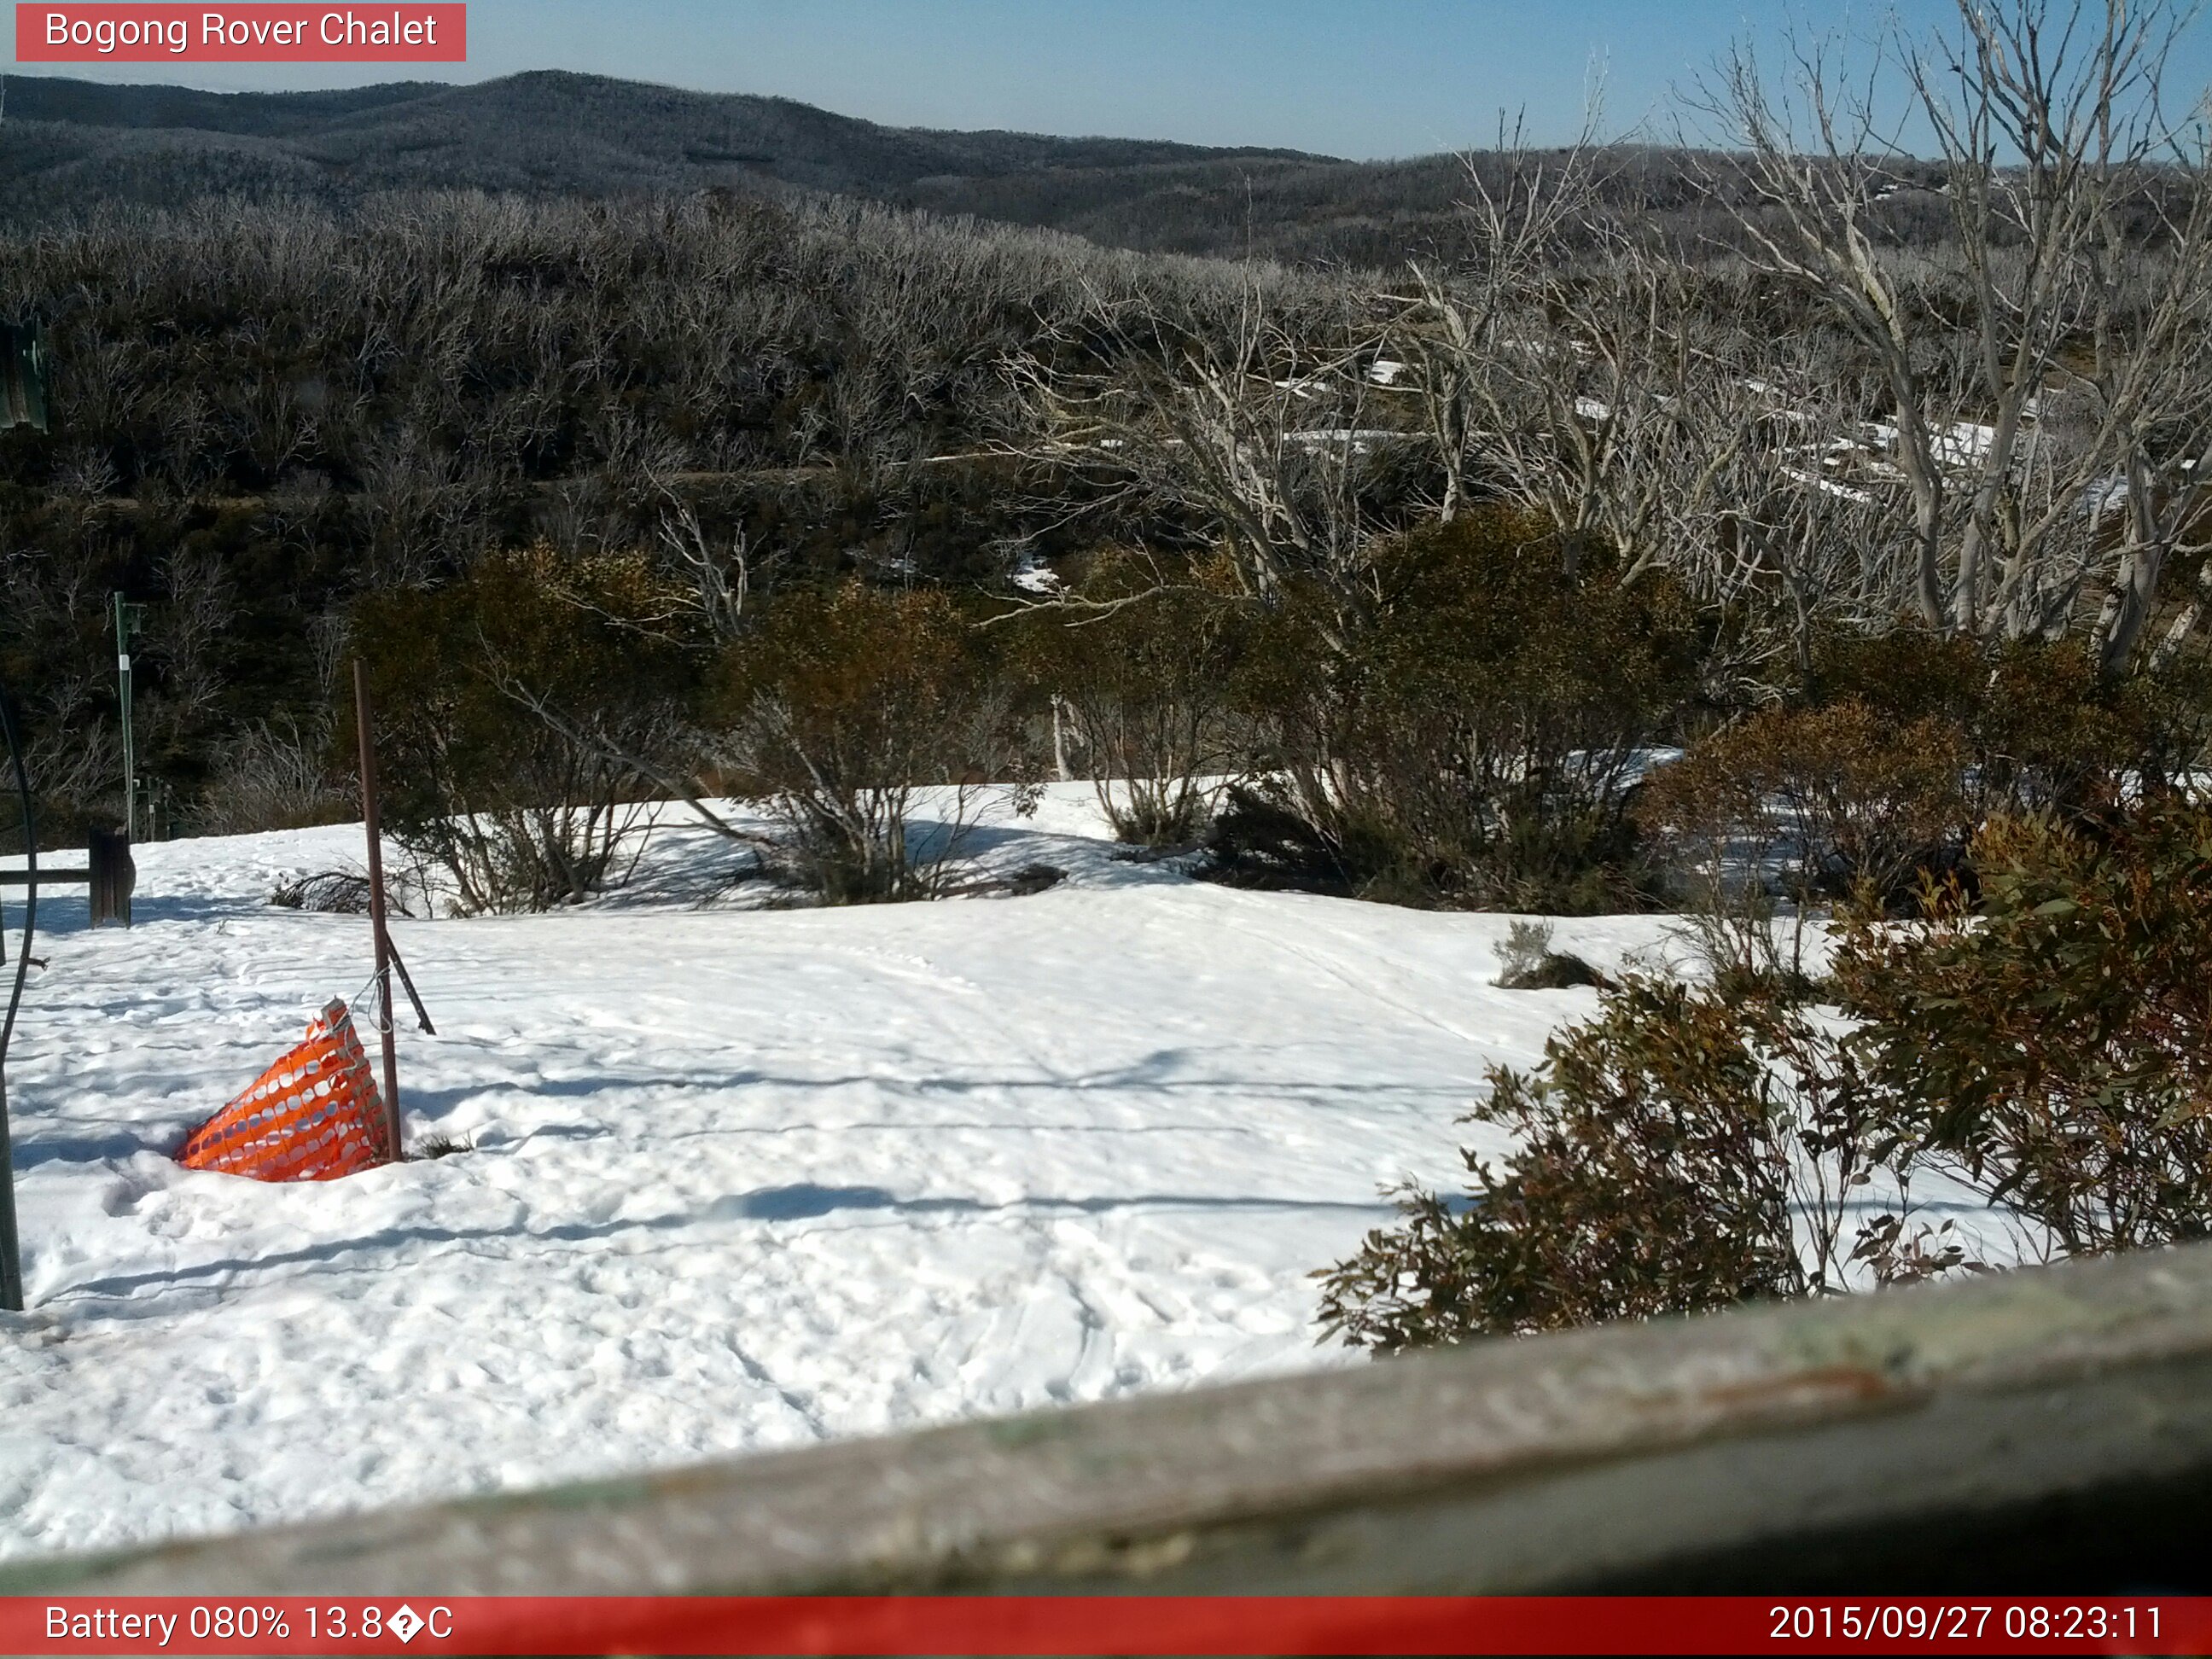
{"points": [[2048, 1430], [108, 870]]}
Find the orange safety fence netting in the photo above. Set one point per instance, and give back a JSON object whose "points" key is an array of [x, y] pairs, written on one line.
{"points": [[314, 1116]]}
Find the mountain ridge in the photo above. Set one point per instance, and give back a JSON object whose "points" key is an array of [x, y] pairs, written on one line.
{"points": [[807, 142], [70, 146]]}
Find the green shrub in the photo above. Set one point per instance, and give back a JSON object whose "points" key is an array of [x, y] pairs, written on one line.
{"points": [[1818, 802], [2054, 1044], [1851, 800], [1692, 1147], [1476, 738], [838, 706], [2040, 727], [1918, 740], [515, 708], [1143, 666], [1680, 1152]]}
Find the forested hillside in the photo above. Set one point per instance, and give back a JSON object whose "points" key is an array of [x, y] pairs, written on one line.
{"points": [[1356, 507], [265, 410], [71, 146]]}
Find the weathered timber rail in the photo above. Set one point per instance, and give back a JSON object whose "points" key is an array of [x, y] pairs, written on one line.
{"points": [[2049, 1430], [109, 872]]}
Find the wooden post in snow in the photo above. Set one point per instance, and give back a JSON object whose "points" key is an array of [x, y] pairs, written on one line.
{"points": [[384, 1021], [113, 875]]}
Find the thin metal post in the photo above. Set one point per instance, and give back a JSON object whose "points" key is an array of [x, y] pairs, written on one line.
{"points": [[368, 739], [124, 621]]}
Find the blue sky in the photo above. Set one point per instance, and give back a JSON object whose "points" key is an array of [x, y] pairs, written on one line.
{"points": [[1361, 78]]}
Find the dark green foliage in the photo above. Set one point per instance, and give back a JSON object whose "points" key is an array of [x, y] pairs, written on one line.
{"points": [[1679, 1153], [1908, 741], [1475, 741], [519, 711], [1694, 1147], [1851, 798], [1261, 838], [2055, 1042], [2035, 724], [838, 706], [1914, 740]]}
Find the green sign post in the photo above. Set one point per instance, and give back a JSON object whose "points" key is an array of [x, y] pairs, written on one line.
{"points": [[128, 618]]}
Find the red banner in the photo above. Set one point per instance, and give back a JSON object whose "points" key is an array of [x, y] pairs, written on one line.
{"points": [[1082, 1624], [119, 32]]}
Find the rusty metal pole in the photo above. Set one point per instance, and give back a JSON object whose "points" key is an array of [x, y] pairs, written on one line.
{"points": [[367, 739]]}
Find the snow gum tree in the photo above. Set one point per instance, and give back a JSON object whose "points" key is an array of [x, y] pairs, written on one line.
{"points": [[2047, 394]]}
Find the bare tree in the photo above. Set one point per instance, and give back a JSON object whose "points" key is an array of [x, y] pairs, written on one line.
{"points": [[2054, 134], [1458, 329], [1258, 430]]}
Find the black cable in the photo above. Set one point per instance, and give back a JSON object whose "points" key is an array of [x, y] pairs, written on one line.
{"points": [[11, 1261], [31, 868]]}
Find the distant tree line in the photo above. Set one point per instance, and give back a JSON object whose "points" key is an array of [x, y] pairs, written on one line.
{"points": [[70, 147]]}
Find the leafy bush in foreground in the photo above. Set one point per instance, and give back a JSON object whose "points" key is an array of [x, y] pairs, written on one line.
{"points": [[1689, 1148], [2054, 1046], [1679, 1153]]}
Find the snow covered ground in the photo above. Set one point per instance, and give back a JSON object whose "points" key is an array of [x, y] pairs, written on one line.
{"points": [[742, 1178]]}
